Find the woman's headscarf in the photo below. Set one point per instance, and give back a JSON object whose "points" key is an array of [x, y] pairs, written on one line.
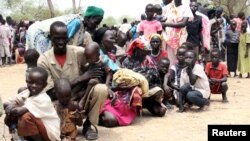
{"points": [[137, 43], [156, 35]]}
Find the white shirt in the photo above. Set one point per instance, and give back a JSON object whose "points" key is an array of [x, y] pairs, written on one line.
{"points": [[201, 83], [5, 35], [41, 107], [125, 27]]}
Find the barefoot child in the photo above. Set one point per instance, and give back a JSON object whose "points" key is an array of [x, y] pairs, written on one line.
{"points": [[194, 85], [217, 74], [163, 66], [66, 110], [175, 72], [37, 117]]}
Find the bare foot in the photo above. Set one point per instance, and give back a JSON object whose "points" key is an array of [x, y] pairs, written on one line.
{"points": [[225, 100], [181, 110]]}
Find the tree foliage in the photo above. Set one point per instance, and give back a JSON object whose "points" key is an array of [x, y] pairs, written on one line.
{"points": [[27, 9], [231, 6]]}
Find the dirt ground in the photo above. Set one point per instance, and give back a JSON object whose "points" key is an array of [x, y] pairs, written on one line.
{"points": [[189, 126]]}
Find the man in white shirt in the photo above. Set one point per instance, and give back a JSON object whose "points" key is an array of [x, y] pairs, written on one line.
{"points": [[125, 27]]}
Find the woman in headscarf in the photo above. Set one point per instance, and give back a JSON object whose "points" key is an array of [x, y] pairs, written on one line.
{"points": [[38, 33], [157, 52], [175, 33], [137, 55], [139, 61]]}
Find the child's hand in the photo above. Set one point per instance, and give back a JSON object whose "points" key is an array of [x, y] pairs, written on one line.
{"points": [[14, 111], [8, 108]]}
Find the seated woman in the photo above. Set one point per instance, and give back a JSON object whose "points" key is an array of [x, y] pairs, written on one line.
{"points": [[106, 40], [128, 87], [157, 52], [139, 61]]}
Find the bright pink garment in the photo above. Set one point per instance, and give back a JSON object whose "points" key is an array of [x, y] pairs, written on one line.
{"points": [[206, 27], [239, 22], [149, 27], [125, 107]]}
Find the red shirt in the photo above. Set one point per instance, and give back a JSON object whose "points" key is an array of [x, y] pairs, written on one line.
{"points": [[61, 59], [217, 73], [163, 54]]}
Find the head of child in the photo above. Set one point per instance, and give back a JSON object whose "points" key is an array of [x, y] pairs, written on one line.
{"points": [[244, 27], [31, 56], [163, 65], [92, 53], [150, 11], [188, 45], [121, 39], [190, 58], [215, 57], [36, 80], [63, 91], [181, 55], [158, 9], [155, 42], [59, 37], [233, 25]]}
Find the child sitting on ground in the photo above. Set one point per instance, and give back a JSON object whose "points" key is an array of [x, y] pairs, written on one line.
{"points": [[175, 73], [67, 110], [37, 117], [194, 85], [217, 73], [163, 67]]}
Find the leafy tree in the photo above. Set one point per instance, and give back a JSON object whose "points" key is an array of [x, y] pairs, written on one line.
{"points": [[232, 6], [109, 21], [27, 9]]}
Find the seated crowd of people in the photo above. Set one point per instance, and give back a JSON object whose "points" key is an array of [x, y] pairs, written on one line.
{"points": [[104, 76]]}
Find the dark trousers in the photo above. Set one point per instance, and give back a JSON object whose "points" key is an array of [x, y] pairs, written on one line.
{"points": [[193, 96]]}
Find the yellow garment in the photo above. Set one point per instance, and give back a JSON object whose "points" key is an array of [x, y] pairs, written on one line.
{"points": [[128, 78]]}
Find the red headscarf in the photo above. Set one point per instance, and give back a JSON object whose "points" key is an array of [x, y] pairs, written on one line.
{"points": [[137, 43]]}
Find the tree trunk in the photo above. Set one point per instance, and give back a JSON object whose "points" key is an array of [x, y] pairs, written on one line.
{"points": [[51, 8], [74, 6]]}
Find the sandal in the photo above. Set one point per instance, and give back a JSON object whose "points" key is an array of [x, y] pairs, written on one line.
{"points": [[89, 133]]}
